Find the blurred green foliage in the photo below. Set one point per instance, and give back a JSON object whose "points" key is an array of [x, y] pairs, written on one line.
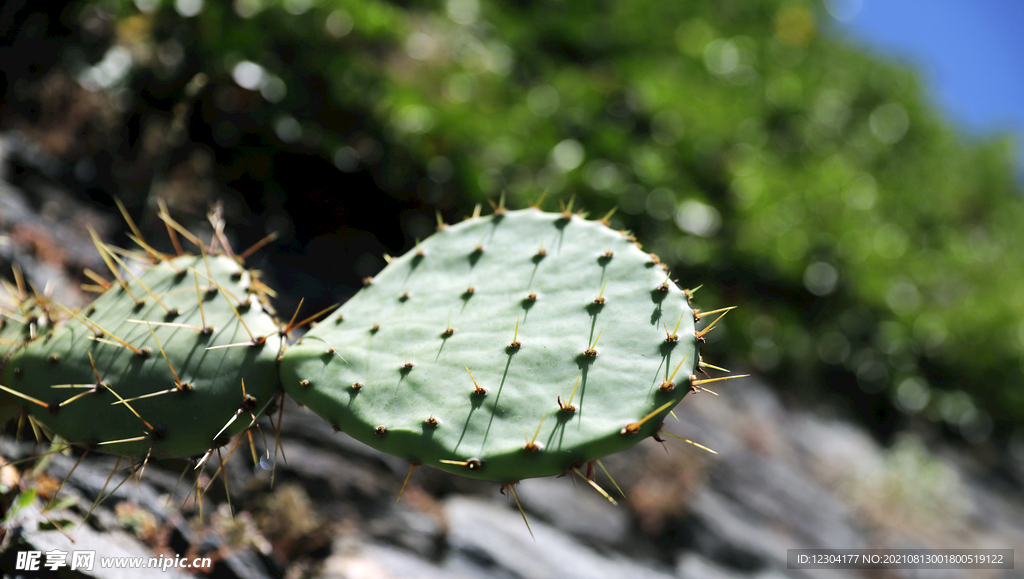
{"points": [[871, 247]]}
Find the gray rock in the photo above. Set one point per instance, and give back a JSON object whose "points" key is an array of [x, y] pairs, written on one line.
{"points": [[693, 566], [409, 529], [358, 560], [490, 531], [247, 564]]}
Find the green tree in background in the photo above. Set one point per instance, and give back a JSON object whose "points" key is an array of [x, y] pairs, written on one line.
{"points": [[871, 247]]}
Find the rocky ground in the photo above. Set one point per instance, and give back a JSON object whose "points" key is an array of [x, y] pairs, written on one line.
{"points": [[785, 477]]}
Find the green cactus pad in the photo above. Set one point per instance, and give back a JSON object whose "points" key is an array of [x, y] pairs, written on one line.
{"points": [[17, 328], [390, 366], [188, 413]]}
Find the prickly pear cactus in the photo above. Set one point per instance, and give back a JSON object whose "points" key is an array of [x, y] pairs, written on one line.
{"points": [[23, 318], [518, 345], [168, 362], [18, 327]]}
